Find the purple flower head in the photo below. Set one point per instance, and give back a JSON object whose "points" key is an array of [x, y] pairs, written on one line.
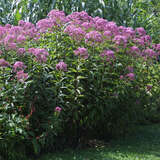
{"points": [[120, 40], [130, 69], [131, 76], [21, 76], [139, 41], [21, 23], [86, 25], [121, 29], [135, 49], [8, 26], [61, 66], [100, 24], [58, 109], [58, 17], [149, 52], [28, 26], [109, 54], [82, 52], [79, 17], [107, 35], [40, 54], [93, 36], [44, 24], [3, 63], [21, 38], [129, 32], [111, 26], [77, 33], [11, 46], [15, 30], [18, 66], [9, 39], [141, 31], [21, 51], [121, 77]]}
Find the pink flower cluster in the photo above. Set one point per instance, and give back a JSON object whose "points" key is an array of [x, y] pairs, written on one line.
{"points": [[82, 52], [93, 37], [3, 63], [76, 33], [109, 54], [19, 67], [84, 29], [58, 109], [21, 76], [40, 54], [130, 76], [61, 66]]}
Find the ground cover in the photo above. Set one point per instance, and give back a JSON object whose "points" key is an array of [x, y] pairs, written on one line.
{"points": [[143, 144]]}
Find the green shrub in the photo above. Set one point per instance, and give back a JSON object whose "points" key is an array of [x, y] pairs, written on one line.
{"points": [[72, 78]]}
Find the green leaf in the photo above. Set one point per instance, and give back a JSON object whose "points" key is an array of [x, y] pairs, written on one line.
{"points": [[18, 15], [36, 146]]}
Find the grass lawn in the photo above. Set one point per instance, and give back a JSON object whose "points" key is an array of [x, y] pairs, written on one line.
{"points": [[144, 144]]}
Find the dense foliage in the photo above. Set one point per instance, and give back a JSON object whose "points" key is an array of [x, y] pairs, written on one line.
{"points": [[71, 78]]}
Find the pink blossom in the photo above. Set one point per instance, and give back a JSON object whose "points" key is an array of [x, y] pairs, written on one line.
{"points": [[9, 39], [57, 16], [149, 52], [111, 26], [77, 33], [100, 24], [139, 41], [135, 49], [8, 26], [156, 46], [121, 77], [121, 29], [120, 40], [15, 30], [93, 36], [18, 66], [21, 76], [129, 32], [3, 63], [130, 69], [107, 35], [21, 23], [61, 66], [131, 76], [82, 52], [40, 54], [141, 31], [79, 16], [86, 25], [21, 51], [109, 54], [21, 38], [28, 26], [45, 24], [11, 46], [58, 109]]}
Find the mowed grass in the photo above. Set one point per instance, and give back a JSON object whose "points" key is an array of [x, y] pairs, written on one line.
{"points": [[143, 144]]}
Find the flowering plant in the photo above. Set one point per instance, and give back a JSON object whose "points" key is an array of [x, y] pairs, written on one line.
{"points": [[97, 72]]}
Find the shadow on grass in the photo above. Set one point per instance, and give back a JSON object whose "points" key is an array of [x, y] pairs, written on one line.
{"points": [[143, 144]]}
